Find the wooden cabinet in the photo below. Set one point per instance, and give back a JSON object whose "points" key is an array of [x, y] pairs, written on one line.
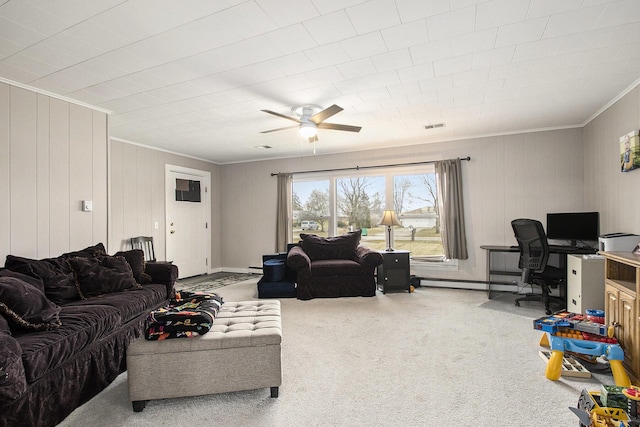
{"points": [[622, 284], [393, 274]]}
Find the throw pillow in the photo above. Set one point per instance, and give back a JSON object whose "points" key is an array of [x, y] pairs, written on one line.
{"points": [[88, 252], [99, 276], [25, 306], [29, 278], [135, 258], [59, 283], [339, 247]]}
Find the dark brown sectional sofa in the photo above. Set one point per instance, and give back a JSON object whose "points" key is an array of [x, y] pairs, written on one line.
{"points": [[65, 324]]}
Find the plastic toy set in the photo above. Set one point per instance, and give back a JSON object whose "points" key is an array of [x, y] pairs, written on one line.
{"points": [[573, 332]]}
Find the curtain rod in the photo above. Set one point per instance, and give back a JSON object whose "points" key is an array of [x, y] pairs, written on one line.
{"points": [[372, 167]]}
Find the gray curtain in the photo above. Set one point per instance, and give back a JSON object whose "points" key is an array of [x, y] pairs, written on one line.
{"points": [[283, 229], [452, 228]]}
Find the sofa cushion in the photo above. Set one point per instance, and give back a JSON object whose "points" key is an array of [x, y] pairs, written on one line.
{"points": [[130, 304], [135, 258], [59, 283], [81, 327], [339, 247], [335, 267], [33, 281], [101, 275], [25, 306], [12, 379]]}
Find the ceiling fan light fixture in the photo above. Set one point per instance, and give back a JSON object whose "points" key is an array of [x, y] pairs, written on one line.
{"points": [[308, 130]]}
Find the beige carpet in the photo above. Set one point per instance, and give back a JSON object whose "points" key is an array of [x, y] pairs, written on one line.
{"points": [[432, 358]]}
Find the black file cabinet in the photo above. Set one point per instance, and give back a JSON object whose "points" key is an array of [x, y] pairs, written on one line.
{"points": [[393, 274]]}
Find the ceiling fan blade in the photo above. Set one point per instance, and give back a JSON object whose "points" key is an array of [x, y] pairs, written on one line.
{"points": [[313, 138], [325, 114], [335, 126], [281, 115], [276, 130]]}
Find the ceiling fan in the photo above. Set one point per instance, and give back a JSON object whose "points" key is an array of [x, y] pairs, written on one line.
{"points": [[309, 121]]}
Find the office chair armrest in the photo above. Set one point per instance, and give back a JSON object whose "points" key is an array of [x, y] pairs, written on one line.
{"points": [[163, 273]]}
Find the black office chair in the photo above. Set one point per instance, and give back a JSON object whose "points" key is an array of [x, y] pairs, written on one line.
{"points": [[534, 254]]}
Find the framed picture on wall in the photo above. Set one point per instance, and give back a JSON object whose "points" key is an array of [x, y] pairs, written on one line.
{"points": [[630, 151]]}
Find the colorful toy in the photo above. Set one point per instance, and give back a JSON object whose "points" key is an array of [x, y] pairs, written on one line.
{"points": [[592, 413], [564, 331]]}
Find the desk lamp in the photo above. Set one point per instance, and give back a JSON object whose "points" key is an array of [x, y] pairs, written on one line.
{"points": [[389, 219]]}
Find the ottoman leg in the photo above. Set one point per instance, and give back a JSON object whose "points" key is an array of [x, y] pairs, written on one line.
{"points": [[138, 405], [274, 392]]}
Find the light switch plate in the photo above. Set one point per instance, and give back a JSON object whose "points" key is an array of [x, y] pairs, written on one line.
{"points": [[87, 205]]}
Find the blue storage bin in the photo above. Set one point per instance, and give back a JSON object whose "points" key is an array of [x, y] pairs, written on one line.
{"points": [[273, 270]]}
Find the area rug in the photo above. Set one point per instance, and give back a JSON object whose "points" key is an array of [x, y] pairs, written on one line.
{"points": [[209, 284]]}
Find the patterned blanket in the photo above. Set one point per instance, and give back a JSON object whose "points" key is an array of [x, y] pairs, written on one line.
{"points": [[188, 314]]}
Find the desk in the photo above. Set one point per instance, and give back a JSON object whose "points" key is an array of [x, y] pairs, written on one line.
{"points": [[558, 250]]}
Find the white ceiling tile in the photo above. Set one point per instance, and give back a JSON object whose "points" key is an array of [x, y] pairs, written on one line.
{"points": [[452, 65], [480, 41], [100, 38], [545, 8], [500, 12], [26, 15], [287, 12], [479, 77], [291, 39], [330, 28], [324, 56], [451, 24], [410, 10], [292, 64], [328, 6], [380, 94], [29, 65], [374, 15], [432, 51], [436, 83], [521, 32], [402, 90], [364, 46], [54, 57], [75, 11], [355, 69], [572, 22], [8, 47], [620, 13], [491, 58], [16, 74], [406, 35], [246, 19], [392, 60], [326, 75], [384, 79], [20, 35], [416, 72], [538, 49], [352, 86]]}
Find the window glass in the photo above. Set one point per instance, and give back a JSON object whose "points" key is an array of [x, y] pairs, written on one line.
{"points": [[360, 202], [336, 205], [415, 200], [311, 212]]}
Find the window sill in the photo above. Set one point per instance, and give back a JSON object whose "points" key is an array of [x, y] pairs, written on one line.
{"points": [[435, 264]]}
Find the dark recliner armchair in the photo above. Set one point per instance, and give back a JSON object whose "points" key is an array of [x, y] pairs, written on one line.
{"points": [[330, 267]]}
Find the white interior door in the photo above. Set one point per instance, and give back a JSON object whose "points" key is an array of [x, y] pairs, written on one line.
{"points": [[187, 219]]}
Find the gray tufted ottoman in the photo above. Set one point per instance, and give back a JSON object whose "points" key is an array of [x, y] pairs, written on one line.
{"points": [[242, 351]]}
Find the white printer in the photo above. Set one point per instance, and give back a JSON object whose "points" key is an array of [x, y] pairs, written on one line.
{"points": [[618, 242]]}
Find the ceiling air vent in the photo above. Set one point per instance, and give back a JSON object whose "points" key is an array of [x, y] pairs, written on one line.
{"points": [[434, 126]]}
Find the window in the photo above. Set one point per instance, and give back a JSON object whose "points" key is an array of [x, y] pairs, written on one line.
{"points": [[415, 200], [310, 208], [332, 205]]}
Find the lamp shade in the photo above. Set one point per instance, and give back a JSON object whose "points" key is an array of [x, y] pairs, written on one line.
{"points": [[389, 218]]}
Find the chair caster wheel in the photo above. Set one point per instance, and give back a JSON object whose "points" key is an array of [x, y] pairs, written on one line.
{"points": [[517, 304], [548, 312]]}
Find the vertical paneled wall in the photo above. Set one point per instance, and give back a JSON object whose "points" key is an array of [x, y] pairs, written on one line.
{"points": [[137, 196], [53, 155]]}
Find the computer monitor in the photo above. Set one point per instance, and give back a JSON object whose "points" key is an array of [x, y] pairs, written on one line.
{"points": [[573, 226]]}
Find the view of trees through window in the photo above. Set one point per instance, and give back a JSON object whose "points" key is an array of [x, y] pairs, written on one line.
{"points": [[332, 207]]}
